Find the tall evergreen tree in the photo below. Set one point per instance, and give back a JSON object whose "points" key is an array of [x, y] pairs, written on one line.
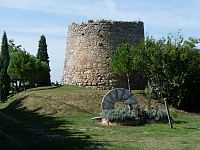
{"points": [[4, 62], [4, 51], [42, 55], [4, 85]]}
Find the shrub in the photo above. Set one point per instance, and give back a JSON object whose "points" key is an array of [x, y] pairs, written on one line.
{"points": [[144, 116], [173, 69], [90, 21], [118, 115], [154, 115]]}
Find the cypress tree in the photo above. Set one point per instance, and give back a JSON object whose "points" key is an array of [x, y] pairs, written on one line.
{"points": [[4, 62], [4, 51], [4, 85], [42, 55]]}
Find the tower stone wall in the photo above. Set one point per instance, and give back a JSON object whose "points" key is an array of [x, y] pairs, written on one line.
{"points": [[90, 48]]}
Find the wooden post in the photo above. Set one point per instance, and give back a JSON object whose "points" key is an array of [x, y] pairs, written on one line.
{"points": [[168, 113]]}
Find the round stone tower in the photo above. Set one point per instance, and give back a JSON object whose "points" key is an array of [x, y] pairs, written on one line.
{"points": [[90, 47]]}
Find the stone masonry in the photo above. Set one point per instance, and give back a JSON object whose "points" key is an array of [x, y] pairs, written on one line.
{"points": [[90, 47]]}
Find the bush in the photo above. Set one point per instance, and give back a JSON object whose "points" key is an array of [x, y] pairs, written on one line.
{"points": [[154, 115], [118, 115], [173, 71], [142, 116], [90, 21]]}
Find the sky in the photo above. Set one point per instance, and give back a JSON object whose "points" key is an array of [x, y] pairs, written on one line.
{"points": [[26, 20]]}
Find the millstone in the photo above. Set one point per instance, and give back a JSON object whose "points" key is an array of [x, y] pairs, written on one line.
{"points": [[118, 95]]}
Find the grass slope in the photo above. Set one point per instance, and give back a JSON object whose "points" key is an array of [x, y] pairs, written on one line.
{"points": [[60, 118]]}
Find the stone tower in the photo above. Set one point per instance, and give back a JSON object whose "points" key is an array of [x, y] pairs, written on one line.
{"points": [[90, 47]]}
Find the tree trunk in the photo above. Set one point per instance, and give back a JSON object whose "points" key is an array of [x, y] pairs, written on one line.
{"points": [[24, 86], [16, 87], [20, 85], [13, 88], [128, 80]]}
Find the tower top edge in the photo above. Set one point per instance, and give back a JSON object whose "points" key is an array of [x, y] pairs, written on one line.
{"points": [[105, 22]]}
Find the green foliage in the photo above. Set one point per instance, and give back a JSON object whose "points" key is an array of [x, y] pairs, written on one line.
{"points": [[12, 47], [118, 115], [4, 51], [64, 119], [4, 82], [4, 85], [148, 92], [173, 70], [38, 69], [4, 62], [145, 116], [1, 62], [126, 60], [25, 67], [19, 65], [42, 55], [154, 115]]}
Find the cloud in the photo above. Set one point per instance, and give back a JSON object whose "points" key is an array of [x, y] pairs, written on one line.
{"points": [[161, 14], [79, 7], [160, 17], [37, 28]]}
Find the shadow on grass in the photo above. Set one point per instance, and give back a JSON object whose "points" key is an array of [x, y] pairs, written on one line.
{"points": [[35, 132], [44, 88], [179, 122]]}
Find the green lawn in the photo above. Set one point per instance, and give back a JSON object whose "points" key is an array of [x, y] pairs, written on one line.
{"points": [[60, 118]]}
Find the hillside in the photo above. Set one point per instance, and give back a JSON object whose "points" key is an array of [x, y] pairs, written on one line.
{"points": [[60, 118]]}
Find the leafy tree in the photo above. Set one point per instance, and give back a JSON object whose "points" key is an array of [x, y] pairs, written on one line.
{"points": [[173, 70], [16, 82], [19, 66], [38, 68], [4, 62], [25, 68], [42, 55], [12, 47], [127, 59]]}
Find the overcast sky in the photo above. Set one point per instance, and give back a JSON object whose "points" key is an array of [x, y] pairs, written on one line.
{"points": [[26, 20]]}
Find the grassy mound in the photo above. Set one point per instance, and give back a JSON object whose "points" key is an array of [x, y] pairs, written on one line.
{"points": [[60, 118]]}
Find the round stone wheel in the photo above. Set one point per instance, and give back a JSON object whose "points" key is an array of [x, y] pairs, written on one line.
{"points": [[118, 95]]}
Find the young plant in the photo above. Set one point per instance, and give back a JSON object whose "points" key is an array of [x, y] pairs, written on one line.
{"points": [[148, 92]]}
